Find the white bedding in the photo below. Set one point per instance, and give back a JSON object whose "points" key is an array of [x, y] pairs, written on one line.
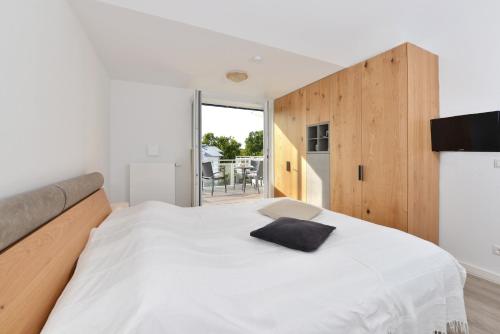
{"points": [[158, 268]]}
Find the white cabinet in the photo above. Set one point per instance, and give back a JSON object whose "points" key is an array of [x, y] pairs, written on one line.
{"points": [[318, 179]]}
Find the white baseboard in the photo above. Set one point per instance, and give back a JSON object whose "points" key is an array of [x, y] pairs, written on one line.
{"points": [[481, 273]]}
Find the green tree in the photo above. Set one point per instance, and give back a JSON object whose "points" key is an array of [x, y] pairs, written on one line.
{"points": [[254, 144], [209, 139], [228, 145]]}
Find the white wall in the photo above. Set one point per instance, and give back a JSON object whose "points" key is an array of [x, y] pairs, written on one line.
{"points": [[53, 97], [470, 209], [143, 114], [469, 184]]}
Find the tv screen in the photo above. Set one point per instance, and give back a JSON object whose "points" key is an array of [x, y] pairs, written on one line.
{"points": [[474, 133]]}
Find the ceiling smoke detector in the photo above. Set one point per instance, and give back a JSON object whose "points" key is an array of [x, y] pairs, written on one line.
{"points": [[237, 76]]}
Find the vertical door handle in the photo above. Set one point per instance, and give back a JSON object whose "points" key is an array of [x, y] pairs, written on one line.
{"points": [[288, 166], [361, 172]]}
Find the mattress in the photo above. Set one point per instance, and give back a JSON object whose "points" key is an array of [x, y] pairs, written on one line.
{"points": [[159, 268]]}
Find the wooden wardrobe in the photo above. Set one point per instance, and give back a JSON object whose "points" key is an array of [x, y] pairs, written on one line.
{"points": [[290, 147], [382, 168]]}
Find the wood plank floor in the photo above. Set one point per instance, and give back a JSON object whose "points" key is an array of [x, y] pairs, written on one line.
{"points": [[482, 301]]}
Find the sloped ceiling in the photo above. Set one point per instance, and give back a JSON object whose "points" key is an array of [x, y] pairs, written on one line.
{"points": [[332, 30], [141, 47], [193, 43], [463, 33], [338, 31]]}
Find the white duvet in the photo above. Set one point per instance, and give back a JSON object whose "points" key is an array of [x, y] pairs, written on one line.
{"points": [[158, 268]]}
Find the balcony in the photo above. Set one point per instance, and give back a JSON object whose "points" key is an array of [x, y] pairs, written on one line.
{"points": [[233, 172]]}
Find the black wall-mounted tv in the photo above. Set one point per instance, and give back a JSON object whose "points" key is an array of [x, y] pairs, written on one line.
{"points": [[473, 133]]}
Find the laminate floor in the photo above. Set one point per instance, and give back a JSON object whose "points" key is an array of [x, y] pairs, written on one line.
{"points": [[482, 301]]}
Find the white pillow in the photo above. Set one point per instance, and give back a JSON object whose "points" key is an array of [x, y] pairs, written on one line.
{"points": [[290, 208]]}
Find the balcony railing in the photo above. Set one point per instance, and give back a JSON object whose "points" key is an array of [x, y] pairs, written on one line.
{"points": [[228, 166]]}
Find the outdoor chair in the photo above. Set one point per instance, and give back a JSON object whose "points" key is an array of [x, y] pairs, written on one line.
{"points": [[257, 174], [208, 174]]}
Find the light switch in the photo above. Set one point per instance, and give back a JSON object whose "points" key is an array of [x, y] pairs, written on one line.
{"points": [[496, 164], [153, 150]]}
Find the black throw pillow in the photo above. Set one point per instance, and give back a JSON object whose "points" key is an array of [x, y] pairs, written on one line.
{"points": [[293, 233]]}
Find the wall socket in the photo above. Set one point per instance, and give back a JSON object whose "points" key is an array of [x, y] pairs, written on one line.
{"points": [[496, 250]]}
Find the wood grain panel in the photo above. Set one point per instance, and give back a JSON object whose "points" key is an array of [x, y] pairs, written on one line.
{"points": [[279, 130], [384, 139], [318, 102], [345, 141], [292, 150], [289, 145], [297, 135], [34, 271], [281, 143], [423, 164]]}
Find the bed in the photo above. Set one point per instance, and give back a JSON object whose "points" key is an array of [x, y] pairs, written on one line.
{"points": [[158, 268]]}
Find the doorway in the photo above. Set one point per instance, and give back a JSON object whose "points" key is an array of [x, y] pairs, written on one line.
{"points": [[233, 154]]}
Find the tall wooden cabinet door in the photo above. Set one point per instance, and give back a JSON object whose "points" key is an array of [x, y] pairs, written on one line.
{"points": [[281, 144], [297, 150], [423, 164], [384, 139], [345, 141], [318, 102]]}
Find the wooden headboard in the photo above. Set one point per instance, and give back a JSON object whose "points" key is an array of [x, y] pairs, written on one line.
{"points": [[35, 270]]}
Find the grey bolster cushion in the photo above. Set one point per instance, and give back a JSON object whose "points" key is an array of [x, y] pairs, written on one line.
{"points": [[22, 214], [80, 187]]}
